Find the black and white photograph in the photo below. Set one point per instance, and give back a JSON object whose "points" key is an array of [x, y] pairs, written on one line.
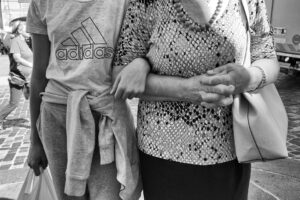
{"points": [[149, 99]]}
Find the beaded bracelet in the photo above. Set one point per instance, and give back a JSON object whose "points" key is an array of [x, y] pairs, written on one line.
{"points": [[263, 81]]}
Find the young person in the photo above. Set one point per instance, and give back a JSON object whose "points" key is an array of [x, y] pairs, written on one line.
{"points": [[85, 135]]}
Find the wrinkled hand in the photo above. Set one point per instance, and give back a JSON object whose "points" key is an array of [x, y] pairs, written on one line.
{"points": [[208, 95], [37, 158], [229, 74], [131, 81]]}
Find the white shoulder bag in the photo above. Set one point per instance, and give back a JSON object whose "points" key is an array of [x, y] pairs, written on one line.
{"points": [[259, 120]]}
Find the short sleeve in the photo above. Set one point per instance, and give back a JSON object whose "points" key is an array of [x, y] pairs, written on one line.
{"points": [[15, 48], [262, 42], [6, 41], [36, 22], [134, 36]]}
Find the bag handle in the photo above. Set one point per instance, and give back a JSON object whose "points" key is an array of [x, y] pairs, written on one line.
{"points": [[29, 181], [247, 61], [246, 11]]}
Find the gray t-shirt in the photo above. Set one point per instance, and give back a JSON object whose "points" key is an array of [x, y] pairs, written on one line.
{"points": [[83, 36], [19, 46]]}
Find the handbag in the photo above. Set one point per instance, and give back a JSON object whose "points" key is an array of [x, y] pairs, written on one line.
{"points": [[15, 79], [260, 122], [38, 187]]}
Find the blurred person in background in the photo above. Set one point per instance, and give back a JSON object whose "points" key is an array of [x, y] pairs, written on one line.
{"points": [[20, 59], [4, 41]]}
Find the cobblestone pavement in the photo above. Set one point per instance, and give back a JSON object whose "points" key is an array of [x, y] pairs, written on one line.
{"points": [[289, 90], [14, 140]]}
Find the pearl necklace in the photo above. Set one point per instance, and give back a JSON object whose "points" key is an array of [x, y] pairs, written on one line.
{"points": [[189, 22]]}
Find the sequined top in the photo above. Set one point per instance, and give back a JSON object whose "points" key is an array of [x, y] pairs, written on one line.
{"points": [[182, 131]]}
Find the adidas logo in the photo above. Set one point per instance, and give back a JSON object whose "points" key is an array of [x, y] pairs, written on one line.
{"points": [[86, 42]]}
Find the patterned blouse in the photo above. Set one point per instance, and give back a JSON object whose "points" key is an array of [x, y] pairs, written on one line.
{"points": [[182, 131]]}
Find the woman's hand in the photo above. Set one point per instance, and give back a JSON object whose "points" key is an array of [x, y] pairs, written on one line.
{"points": [[229, 74], [37, 158], [208, 95], [131, 81]]}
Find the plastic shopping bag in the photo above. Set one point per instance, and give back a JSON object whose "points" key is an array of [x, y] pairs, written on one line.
{"points": [[38, 187]]}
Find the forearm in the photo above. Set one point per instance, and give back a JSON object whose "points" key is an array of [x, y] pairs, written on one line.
{"points": [[157, 88], [23, 62], [270, 68], [41, 54], [165, 88], [37, 86]]}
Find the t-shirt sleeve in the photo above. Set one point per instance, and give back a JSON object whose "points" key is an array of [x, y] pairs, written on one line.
{"points": [[262, 41], [15, 48], [134, 36], [36, 22], [7, 41]]}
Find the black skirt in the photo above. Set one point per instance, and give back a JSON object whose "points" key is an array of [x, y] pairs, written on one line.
{"points": [[168, 180]]}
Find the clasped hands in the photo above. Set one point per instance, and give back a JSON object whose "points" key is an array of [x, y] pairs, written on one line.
{"points": [[217, 86]]}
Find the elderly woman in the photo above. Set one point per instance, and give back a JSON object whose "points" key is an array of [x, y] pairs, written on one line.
{"points": [[196, 50]]}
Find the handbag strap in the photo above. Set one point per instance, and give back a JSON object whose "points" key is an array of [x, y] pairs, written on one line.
{"points": [[247, 57], [246, 11], [247, 63]]}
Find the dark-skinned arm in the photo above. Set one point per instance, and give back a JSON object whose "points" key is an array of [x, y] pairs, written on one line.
{"points": [[41, 54]]}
